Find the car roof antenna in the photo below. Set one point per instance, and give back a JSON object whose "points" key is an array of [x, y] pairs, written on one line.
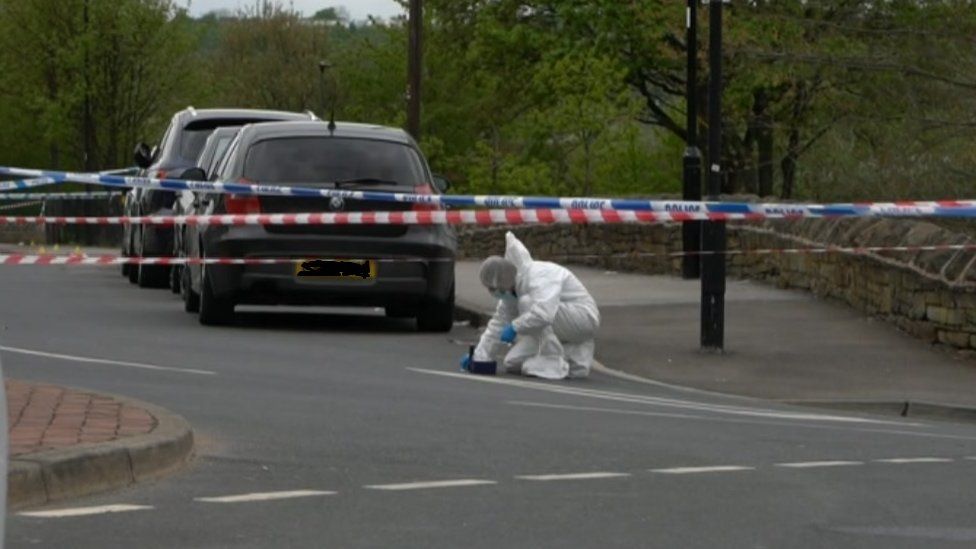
{"points": [[323, 65]]}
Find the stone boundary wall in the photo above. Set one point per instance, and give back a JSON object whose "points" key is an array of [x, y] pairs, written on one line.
{"points": [[931, 295], [85, 235]]}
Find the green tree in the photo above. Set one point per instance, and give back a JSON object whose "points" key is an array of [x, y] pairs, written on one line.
{"points": [[88, 78]]}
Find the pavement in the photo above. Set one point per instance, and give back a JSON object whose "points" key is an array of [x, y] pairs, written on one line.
{"points": [[343, 428], [67, 443], [780, 344]]}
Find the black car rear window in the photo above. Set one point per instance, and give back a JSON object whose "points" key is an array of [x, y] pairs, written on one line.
{"points": [[312, 160], [196, 132]]}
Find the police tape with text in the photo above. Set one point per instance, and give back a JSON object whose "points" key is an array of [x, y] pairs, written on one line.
{"points": [[953, 208]]}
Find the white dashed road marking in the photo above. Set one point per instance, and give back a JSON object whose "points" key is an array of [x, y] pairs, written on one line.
{"points": [[107, 362], [458, 483], [85, 511], [574, 476], [711, 469], [915, 460], [812, 464], [430, 484], [265, 496]]}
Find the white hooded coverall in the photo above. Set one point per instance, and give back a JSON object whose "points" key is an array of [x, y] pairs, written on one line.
{"points": [[555, 318]]}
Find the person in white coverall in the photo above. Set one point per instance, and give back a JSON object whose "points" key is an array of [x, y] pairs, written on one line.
{"points": [[543, 311]]}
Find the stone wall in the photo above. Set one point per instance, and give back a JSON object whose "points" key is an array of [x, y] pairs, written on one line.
{"points": [[930, 294], [85, 235]]}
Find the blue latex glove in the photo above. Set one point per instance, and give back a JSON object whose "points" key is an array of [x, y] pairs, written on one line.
{"points": [[508, 334], [465, 363]]}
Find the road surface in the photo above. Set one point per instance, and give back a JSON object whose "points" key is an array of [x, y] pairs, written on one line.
{"points": [[331, 429]]}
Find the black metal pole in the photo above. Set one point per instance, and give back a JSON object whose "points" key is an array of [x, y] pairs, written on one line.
{"points": [[415, 67], [713, 233], [691, 189]]}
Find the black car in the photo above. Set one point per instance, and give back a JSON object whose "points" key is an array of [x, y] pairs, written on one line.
{"points": [[178, 150], [409, 270], [187, 201]]}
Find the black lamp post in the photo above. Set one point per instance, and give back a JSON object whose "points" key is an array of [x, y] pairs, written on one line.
{"points": [[692, 186], [713, 233]]}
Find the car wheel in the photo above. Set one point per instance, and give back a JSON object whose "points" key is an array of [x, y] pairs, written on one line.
{"points": [[399, 312], [134, 273], [125, 270], [153, 276], [191, 299], [175, 278], [437, 316], [214, 311]]}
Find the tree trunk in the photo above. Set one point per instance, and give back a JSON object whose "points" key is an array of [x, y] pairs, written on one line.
{"points": [[788, 165], [765, 160]]}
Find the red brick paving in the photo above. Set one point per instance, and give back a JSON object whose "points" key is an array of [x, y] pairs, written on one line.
{"points": [[44, 417]]}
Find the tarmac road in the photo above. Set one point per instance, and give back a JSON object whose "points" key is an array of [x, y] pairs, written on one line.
{"points": [[351, 430]]}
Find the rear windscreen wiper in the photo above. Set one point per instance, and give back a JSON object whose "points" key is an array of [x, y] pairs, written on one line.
{"points": [[365, 181]]}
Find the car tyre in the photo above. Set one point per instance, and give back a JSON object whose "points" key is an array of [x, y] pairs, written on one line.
{"points": [[175, 279], [437, 316], [134, 273], [399, 312], [214, 311], [191, 299], [153, 276], [125, 270]]}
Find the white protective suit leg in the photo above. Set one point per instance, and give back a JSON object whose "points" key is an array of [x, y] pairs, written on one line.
{"points": [[575, 326], [539, 355]]}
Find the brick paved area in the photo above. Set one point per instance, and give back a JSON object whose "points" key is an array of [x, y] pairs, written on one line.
{"points": [[44, 417]]}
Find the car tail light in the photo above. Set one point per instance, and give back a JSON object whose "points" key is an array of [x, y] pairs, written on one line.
{"points": [[418, 207], [242, 204], [161, 174]]}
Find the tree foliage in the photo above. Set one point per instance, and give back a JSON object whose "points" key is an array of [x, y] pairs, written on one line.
{"points": [[826, 99]]}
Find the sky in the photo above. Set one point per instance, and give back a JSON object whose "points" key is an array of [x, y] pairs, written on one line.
{"points": [[358, 9]]}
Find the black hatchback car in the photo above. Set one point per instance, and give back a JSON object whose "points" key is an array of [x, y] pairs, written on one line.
{"points": [[408, 270], [178, 150]]}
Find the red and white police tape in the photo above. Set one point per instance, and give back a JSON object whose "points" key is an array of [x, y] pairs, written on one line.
{"points": [[108, 259], [434, 217]]}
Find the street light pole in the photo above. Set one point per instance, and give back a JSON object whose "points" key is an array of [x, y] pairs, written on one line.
{"points": [[691, 189], [713, 233], [415, 67]]}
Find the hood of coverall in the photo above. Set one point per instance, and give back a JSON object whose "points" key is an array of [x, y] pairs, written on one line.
{"points": [[517, 253]]}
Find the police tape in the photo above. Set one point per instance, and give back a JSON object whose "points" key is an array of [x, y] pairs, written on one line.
{"points": [[61, 196], [850, 250], [21, 205], [24, 184], [109, 259], [55, 179], [946, 208], [433, 217]]}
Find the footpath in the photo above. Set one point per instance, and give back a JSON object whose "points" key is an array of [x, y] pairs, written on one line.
{"points": [[779, 344], [66, 443]]}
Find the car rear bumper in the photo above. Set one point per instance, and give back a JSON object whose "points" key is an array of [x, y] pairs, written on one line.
{"points": [[411, 270]]}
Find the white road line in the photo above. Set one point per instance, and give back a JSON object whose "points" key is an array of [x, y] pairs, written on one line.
{"points": [[265, 496], [812, 464], [574, 476], [430, 484], [656, 401], [85, 511], [916, 460], [970, 458], [711, 469], [741, 421], [108, 362]]}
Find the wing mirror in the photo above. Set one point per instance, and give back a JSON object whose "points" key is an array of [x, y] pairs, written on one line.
{"points": [[143, 155], [441, 183], [194, 174]]}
